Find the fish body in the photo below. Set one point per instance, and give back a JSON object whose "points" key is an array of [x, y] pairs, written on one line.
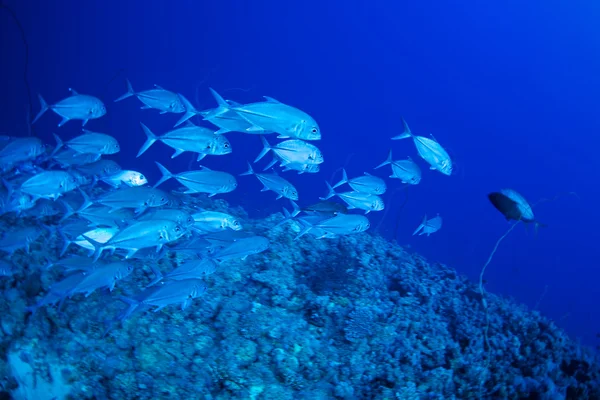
{"points": [[99, 168], [104, 276], [201, 181], [405, 170], [275, 183], [292, 151], [127, 177], [181, 292], [341, 224], [67, 158], [326, 208], [140, 235], [100, 235], [157, 98], [181, 217], [214, 221], [429, 150], [77, 106], [49, 184], [94, 143], [193, 269], [139, 197], [190, 137], [512, 205], [430, 226], [242, 248], [363, 201], [20, 238], [19, 150], [272, 116], [364, 184]]}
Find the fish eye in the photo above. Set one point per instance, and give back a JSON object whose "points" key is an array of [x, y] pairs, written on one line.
{"points": [[162, 199], [314, 130], [226, 145]]}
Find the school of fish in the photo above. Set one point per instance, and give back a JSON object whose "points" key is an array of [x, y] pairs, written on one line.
{"points": [[105, 216]]}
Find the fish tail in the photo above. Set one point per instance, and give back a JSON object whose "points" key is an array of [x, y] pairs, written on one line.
{"points": [[307, 227], [151, 138], [265, 150], [98, 247], [297, 209], [66, 241], [130, 92], [344, 179], [68, 211], [331, 192], [87, 202], [387, 161], [158, 276], [249, 172], [59, 145], [43, 108], [9, 188], [190, 110], [166, 174], [273, 162], [421, 226], [222, 108], [133, 305], [406, 133]]}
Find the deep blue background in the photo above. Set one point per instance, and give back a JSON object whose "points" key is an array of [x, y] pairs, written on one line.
{"points": [[511, 90]]}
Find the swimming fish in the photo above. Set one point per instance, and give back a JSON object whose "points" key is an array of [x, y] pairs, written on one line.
{"points": [[405, 170], [429, 150], [76, 106], [49, 184], [158, 98], [364, 184], [513, 206], [271, 115], [429, 226], [127, 177], [274, 182], [91, 143], [204, 180], [364, 201], [292, 151], [341, 224], [189, 138]]}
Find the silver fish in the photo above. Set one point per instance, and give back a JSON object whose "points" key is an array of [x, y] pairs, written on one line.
{"points": [[273, 116], [241, 248], [181, 217], [513, 206], [17, 239], [92, 143], [429, 226], [190, 137], [157, 98], [292, 151], [140, 235], [172, 292], [138, 197], [193, 269], [201, 181], [127, 177], [227, 122], [405, 170], [76, 106], [364, 184], [49, 184], [100, 168], [341, 224], [59, 291], [19, 150], [67, 158], [363, 201], [104, 276], [100, 235], [275, 183], [429, 150], [213, 221]]}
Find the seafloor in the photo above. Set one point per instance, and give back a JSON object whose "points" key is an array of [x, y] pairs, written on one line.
{"points": [[349, 318]]}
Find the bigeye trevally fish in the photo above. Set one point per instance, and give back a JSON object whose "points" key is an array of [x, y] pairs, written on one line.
{"points": [[190, 137], [363, 201], [90, 143], [275, 183], [364, 184], [513, 206], [77, 106], [429, 150], [292, 151], [405, 170], [158, 98], [204, 180], [49, 184], [271, 115], [430, 226], [128, 177], [341, 224]]}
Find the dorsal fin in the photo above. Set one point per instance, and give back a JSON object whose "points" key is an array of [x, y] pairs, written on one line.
{"points": [[159, 87], [73, 92], [271, 100]]}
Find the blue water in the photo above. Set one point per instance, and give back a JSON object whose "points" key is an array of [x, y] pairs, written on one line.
{"points": [[510, 89]]}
